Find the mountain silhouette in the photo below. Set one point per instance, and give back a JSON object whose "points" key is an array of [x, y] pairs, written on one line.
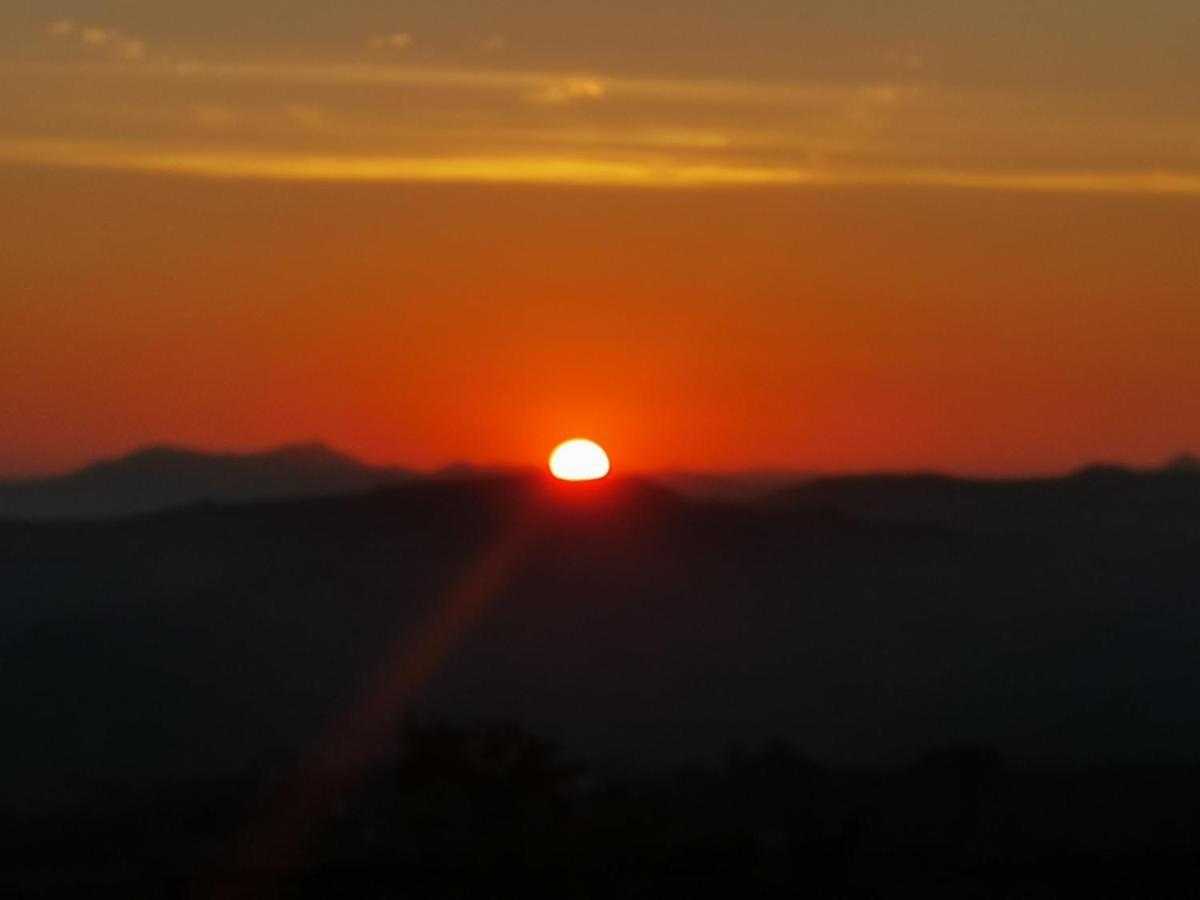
{"points": [[1185, 463], [1101, 497], [159, 478], [634, 626]]}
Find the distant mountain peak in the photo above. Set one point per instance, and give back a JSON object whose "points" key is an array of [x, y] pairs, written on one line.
{"points": [[314, 446], [302, 452], [305, 454], [1184, 462], [310, 451], [161, 476], [155, 451], [1103, 471]]}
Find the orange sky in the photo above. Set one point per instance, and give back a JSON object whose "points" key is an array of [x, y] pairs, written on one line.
{"points": [[456, 258]]}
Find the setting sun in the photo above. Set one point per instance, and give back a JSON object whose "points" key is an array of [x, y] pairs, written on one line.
{"points": [[579, 460]]}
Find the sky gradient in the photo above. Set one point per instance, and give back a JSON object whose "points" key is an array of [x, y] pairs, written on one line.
{"points": [[711, 235]]}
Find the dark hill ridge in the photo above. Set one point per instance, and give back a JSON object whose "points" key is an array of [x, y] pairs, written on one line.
{"points": [[163, 477], [1103, 498], [1184, 463], [636, 625], [160, 478]]}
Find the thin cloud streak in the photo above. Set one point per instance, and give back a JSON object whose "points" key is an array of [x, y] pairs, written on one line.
{"points": [[533, 169], [529, 84], [111, 41], [581, 171], [399, 40]]}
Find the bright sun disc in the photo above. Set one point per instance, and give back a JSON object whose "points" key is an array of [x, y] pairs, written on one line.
{"points": [[579, 460]]}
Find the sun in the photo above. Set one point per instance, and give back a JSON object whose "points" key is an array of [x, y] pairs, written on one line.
{"points": [[579, 460]]}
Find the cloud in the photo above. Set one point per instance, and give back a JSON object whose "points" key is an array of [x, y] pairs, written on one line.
{"points": [[906, 131], [501, 169], [398, 40], [492, 43], [542, 86], [871, 104], [95, 37], [112, 42], [567, 90], [582, 170]]}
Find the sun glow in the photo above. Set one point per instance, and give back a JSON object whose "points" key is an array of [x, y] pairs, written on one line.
{"points": [[579, 460]]}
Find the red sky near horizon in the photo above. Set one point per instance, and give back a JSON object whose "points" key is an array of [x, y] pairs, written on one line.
{"points": [[426, 243]]}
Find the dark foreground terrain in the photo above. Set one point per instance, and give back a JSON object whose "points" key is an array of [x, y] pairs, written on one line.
{"points": [[490, 810], [164, 677]]}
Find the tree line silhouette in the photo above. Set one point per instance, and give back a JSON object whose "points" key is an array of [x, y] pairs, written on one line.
{"points": [[489, 809]]}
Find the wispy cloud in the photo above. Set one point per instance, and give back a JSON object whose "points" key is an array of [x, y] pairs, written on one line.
{"points": [[397, 40], [539, 86], [496, 124], [567, 90], [112, 42], [504, 169], [580, 170]]}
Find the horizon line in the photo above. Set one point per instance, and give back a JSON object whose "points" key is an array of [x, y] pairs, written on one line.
{"points": [[764, 470]]}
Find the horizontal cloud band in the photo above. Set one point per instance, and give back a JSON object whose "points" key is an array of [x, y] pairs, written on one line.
{"points": [[570, 170]]}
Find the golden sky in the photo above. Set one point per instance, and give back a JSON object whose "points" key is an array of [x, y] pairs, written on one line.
{"points": [[710, 234]]}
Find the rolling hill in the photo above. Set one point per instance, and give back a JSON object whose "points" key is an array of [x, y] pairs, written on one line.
{"points": [[634, 626], [159, 478]]}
